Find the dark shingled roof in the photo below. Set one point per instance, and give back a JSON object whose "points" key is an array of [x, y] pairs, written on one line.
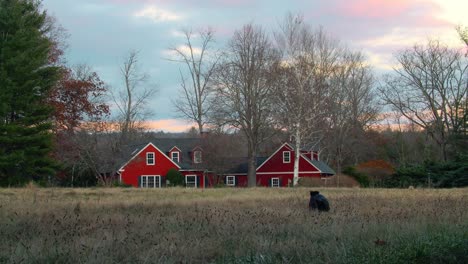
{"points": [[241, 166], [322, 166], [186, 145]]}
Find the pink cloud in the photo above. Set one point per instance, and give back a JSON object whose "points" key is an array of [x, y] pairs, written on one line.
{"points": [[376, 8], [168, 125], [205, 3], [395, 11]]}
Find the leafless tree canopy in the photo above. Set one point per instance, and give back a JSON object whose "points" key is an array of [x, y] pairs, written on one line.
{"points": [[429, 88], [352, 107], [194, 99], [308, 60], [133, 99], [244, 88]]}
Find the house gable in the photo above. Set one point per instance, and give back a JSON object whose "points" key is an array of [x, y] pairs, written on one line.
{"points": [[145, 150], [275, 163], [137, 165], [197, 155], [175, 153]]}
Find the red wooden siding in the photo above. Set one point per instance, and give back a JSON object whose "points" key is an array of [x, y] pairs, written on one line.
{"points": [[275, 163], [137, 166]]}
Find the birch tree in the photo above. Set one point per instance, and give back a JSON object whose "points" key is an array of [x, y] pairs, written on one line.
{"points": [[244, 89], [429, 88], [193, 102], [308, 59]]}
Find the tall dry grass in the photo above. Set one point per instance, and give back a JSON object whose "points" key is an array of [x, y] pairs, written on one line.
{"points": [[232, 225]]}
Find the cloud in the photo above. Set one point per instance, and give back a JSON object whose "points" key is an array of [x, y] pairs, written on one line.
{"points": [[168, 125], [157, 14], [173, 55], [384, 9], [177, 34]]}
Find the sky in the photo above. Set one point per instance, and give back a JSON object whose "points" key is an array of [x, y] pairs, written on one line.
{"points": [[103, 32]]}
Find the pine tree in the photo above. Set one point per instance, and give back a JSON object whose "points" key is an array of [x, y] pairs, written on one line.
{"points": [[25, 80]]}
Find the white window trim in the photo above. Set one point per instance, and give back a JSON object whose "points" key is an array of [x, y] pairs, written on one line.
{"points": [[272, 180], [178, 155], [233, 178], [196, 180], [147, 176], [154, 158], [284, 161], [194, 157]]}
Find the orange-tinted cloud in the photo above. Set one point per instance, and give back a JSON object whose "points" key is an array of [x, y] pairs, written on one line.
{"points": [[168, 125]]}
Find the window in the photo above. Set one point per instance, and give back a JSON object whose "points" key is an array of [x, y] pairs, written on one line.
{"points": [[197, 156], [191, 181], [275, 182], [150, 158], [286, 156], [175, 156], [150, 181], [231, 180]]}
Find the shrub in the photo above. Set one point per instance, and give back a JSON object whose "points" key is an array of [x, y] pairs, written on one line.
{"points": [[435, 174], [362, 178], [175, 178]]}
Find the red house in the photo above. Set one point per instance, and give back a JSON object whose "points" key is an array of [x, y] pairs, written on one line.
{"points": [[277, 170], [149, 164]]}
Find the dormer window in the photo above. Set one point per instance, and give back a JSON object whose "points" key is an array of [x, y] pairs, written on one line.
{"points": [[150, 158], [175, 156], [197, 156], [286, 156]]}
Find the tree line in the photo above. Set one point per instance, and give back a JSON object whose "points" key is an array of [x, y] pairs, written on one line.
{"points": [[297, 83]]}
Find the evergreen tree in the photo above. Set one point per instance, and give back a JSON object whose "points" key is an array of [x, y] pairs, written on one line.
{"points": [[25, 80]]}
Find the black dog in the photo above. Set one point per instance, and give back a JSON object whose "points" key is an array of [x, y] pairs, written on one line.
{"points": [[318, 201]]}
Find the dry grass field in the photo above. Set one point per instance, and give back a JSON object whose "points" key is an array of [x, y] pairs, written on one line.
{"points": [[232, 226]]}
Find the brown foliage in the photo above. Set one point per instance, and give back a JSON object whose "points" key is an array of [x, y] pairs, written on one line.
{"points": [[76, 97]]}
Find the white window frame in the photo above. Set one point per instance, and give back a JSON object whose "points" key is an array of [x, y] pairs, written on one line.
{"points": [[229, 179], [289, 157], [148, 158], [199, 160], [273, 182], [145, 180], [178, 156], [195, 183]]}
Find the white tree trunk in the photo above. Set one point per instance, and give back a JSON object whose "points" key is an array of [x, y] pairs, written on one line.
{"points": [[297, 154]]}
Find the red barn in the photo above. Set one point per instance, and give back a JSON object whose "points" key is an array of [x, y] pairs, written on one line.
{"points": [[148, 166], [277, 170], [150, 163]]}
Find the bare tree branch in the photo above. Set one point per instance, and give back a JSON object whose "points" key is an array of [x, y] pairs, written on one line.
{"points": [[193, 102], [244, 89]]}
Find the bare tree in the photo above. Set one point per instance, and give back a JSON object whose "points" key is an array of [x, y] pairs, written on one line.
{"points": [[352, 106], [132, 100], [244, 89], [463, 33], [193, 102], [308, 59], [429, 88]]}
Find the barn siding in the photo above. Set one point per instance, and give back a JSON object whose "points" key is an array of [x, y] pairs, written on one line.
{"points": [[137, 166]]}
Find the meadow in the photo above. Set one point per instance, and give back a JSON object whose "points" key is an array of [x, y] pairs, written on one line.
{"points": [[225, 225]]}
